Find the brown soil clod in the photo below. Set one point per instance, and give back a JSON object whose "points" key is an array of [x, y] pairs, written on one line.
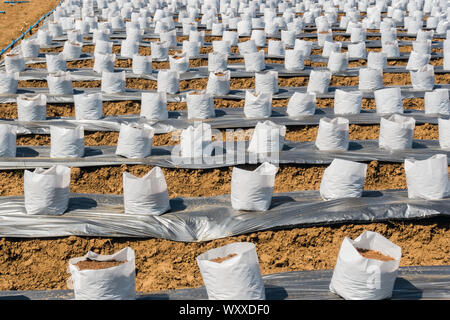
{"points": [[90, 264], [372, 254], [222, 259]]}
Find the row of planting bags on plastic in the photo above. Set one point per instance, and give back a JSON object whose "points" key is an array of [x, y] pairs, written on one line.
{"points": [[232, 272]]}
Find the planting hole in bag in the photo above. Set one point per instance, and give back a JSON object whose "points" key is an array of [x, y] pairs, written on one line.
{"points": [[347, 102], [113, 82], [236, 278], [107, 277], [343, 179], [389, 100], [333, 134], [154, 105], [266, 82], [318, 82], [396, 132], [66, 142], [252, 190], [356, 277], [428, 179], [218, 83], [8, 137], [46, 192], [147, 195], [267, 137], [135, 140], [200, 105]]}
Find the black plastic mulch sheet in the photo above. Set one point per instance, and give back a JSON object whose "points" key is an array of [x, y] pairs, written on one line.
{"points": [[225, 154], [412, 283], [209, 218]]}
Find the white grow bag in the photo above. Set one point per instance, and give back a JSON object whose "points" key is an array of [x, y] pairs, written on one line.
{"points": [[30, 48], [444, 133], [301, 104], [147, 195], [14, 62], [237, 278], [200, 105], [179, 63], [88, 106], [254, 62], [154, 105], [247, 47], [318, 82], [55, 62], [31, 108], [437, 102], [423, 79], [257, 105], [396, 132], [275, 48], [195, 141], [343, 179], [417, 61], [113, 82], [160, 50], [266, 82], [357, 50], [333, 134], [168, 81], [370, 79], [217, 61], [142, 64], [338, 62], [358, 278], [135, 140], [389, 100], [218, 83], [66, 142], [267, 137], [104, 62], [304, 46], [8, 82], [252, 190], [47, 191], [427, 179], [8, 136], [114, 283], [72, 50], [347, 102], [294, 60]]}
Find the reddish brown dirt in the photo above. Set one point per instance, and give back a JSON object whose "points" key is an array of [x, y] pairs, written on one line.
{"points": [[220, 260], [372, 254], [89, 264]]}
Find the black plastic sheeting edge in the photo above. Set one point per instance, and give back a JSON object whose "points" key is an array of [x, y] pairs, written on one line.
{"points": [[412, 283], [226, 155], [209, 218]]}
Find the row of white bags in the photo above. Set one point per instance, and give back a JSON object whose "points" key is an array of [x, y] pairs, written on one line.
{"points": [[238, 277]]}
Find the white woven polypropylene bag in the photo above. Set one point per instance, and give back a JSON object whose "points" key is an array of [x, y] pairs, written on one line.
{"points": [[423, 79], [135, 140], [252, 190], [218, 83], [343, 179], [88, 106], [192, 49], [230, 36], [446, 54], [217, 29], [14, 62], [221, 46], [275, 48], [357, 50], [43, 38], [259, 36], [333, 134], [301, 104], [389, 100], [390, 49], [294, 60], [147, 195], [437, 102], [304, 46], [169, 37], [47, 191], [129, 48], [200, 105], [329, 47], [396, 132], [237, 278], [142, 64], [347, 102], [358, 278], [113, 82], [31, 108], [104, 62], [370, 79], [160, 50], [154, 105], [55, 62], [338, 62], [266, 82], [428, 179], [8, 136], [179, 63], [422, 47], [318, 82], [114, 283], [417, 60], [59, 83], [8, 82], [267, 137], [66, 142], [72, 50], [103, 46], [444, 133], [376, 60], [29, 48], [254, 62], [168, 81], [247, 47], [194, 141], [257, 105]]}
